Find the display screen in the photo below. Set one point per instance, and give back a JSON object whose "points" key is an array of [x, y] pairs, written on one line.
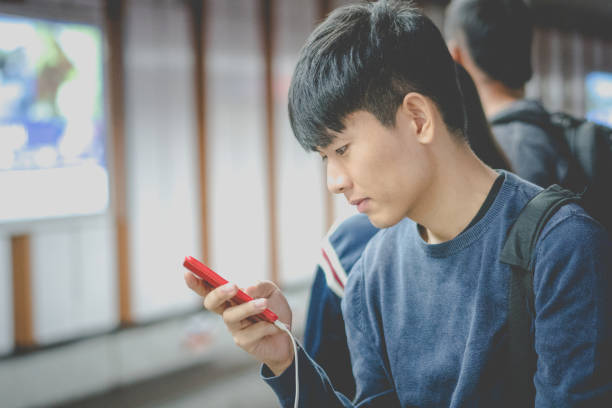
{"points": [[52, 125], [599, 97]]}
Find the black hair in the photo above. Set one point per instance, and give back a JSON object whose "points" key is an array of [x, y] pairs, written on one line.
{"points": [[498, 35], [368, 57], [479, 134]]}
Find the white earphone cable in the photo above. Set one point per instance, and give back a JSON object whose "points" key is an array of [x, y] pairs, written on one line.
{"points": [[284, 328]]}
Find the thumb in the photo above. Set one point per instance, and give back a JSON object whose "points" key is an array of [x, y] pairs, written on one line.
{"points": [[263, 289]]}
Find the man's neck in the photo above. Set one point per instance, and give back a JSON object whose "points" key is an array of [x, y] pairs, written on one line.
{"points": [[496, 97], [460, 188]]}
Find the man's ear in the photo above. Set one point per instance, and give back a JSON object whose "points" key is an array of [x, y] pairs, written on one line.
{"points": [[419, 111]]}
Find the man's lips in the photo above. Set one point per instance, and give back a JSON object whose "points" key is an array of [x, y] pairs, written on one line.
{"points": [[357, 201], [361, 204]]}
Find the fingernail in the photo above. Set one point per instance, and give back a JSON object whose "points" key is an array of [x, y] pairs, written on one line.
{"points": [[260, 303]]}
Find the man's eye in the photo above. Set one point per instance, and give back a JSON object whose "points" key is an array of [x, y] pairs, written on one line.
{"points": [[340, 151]]}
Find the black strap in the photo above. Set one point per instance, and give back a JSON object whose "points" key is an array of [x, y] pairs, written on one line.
{"points": [[525, 231], [518, 253], [539, 119]]}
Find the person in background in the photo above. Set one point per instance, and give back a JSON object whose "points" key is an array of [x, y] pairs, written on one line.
{"points": [[324, 335], [492, 39], [375, 93]]}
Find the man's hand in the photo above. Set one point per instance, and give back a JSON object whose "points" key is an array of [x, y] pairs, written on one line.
{"points": [[264, 341]]}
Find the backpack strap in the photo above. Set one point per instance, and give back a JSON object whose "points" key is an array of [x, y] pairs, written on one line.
{"points": [[518, 253], [538, 119]]}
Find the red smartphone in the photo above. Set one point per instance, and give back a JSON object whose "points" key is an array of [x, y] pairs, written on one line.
{"points": [[214, 280]]}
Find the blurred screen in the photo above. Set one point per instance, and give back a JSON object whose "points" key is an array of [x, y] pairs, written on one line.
{"points": [[599, 97], [52, 126]]}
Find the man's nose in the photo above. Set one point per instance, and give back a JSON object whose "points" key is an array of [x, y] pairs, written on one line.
{"points": [[337, 181]]}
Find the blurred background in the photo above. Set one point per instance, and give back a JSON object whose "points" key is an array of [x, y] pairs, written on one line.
{"points": [[136, 132]]}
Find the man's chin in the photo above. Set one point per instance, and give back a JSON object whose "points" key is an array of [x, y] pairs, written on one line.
{"points": [[380, 221]]}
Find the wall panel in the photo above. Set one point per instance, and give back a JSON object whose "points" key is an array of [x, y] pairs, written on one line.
{"points": [[73, 279], [163, 209], [301, 194], [6, 296], [238, 207]]}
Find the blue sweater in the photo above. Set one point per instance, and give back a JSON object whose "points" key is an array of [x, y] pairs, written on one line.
{"points": [[426, 323]]}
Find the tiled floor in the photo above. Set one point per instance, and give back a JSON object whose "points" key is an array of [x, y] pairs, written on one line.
{"points": [[185, 361], [198, 386], [228, 379]]}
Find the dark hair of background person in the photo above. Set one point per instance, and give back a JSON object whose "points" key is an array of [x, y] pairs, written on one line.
{"points": [[479, 134], [498, 35], [368, 57]]}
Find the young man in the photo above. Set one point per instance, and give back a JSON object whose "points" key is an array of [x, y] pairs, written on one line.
{"points": [[492, 40], [425, 307], [324, 336]]}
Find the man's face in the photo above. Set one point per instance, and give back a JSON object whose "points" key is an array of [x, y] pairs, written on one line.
{"points": [[381, 170]]}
